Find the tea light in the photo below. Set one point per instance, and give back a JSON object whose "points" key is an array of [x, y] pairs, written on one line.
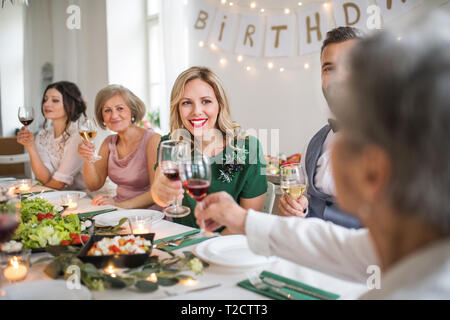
{"points": [[16, 270], [111, 271], [24, 185], [140, 225], [71, 200], [152, 278], [188, 282]]}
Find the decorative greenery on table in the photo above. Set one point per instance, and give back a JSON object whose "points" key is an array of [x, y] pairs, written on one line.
{"points": [[168, 270]]}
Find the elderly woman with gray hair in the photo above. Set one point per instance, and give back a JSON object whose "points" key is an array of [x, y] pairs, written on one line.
{"points": [[391, 169]]}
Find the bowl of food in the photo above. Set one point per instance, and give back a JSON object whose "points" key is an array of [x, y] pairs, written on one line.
{"points": [[121, 251]]}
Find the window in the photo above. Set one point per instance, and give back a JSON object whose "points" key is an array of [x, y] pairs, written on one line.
{"points": [[155, 56]]}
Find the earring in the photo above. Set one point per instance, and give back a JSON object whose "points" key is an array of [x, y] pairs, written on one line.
{"points": [[132, 119], [104, 124]]}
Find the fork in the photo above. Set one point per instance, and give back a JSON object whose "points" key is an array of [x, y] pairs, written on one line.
{"points": [[256, 281], [279, 284]]}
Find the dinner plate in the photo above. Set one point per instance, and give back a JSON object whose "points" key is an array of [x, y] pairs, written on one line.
{"points": [[230, 251], [45, 290], [113, 218], [55, 196]]}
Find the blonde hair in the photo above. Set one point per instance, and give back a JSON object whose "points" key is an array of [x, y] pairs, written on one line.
{"points": [[229, 128], [135, 104]]}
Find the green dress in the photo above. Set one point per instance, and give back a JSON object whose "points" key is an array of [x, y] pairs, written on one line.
{"points": [[250, 181]]}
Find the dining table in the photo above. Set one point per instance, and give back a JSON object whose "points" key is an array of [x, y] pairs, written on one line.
{"points": [[216, 282]]}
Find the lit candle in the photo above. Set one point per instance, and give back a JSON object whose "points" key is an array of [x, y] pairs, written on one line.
{"points": [[140, 225], [111, 271], [152, 278], [188, 282], [72, 204], [15, 271], [23, 187]]}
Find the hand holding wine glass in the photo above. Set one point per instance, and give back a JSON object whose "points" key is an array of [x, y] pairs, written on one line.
{"points": [[196, 176], [87, 128], [170, 153], [293, 183]]}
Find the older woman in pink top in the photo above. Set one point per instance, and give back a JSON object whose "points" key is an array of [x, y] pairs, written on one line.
{"points": [[128, 157]]}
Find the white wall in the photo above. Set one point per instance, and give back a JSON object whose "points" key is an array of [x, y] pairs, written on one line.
{"points": [[291, 101], [127, 45], [11, 66]]}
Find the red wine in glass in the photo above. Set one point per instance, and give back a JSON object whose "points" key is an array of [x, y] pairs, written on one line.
{"points": [[172, 174], [26, 121], [196, 188], [8, 224]]}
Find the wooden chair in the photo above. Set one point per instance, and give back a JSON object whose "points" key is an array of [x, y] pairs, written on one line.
{"points": [[14, 161]]}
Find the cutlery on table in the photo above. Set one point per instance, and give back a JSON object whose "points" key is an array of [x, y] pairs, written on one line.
{"points": [[256, 281], [171, 294], [280, 284]]}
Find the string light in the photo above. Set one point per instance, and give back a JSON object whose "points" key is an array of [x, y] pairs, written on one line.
{"points": [[213, 46], [223, 61], [240, 58], [306, 66], [253, 5], [287, 10], [231, 4], [223, 1], [262, 10], [248, 68], [326, 5], [300, 4], [201, 44], [270, 65], [399, 38], [281, 69]]}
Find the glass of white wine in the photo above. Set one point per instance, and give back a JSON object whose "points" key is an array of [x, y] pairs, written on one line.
{"points": [[87, 128], [293, 180]]}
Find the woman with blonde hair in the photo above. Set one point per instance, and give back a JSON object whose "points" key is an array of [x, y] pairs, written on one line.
{"points": [[200, 112], [127, 157]]}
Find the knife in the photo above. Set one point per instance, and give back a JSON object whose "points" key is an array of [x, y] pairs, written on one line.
{"points": [[170, 294], [281, 284]]}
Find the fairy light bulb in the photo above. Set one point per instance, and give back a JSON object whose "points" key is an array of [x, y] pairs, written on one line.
{"points": [[270, 65], [281, 69], [240, 58], [287, 11], [223, 61], [248, 68], [262, 10], [253, 5], [300, 4], [223, 1], [306, 66], [201, 44]]}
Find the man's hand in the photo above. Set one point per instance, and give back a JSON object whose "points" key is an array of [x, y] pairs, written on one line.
{"points": [[289, 207], [220, 209]]}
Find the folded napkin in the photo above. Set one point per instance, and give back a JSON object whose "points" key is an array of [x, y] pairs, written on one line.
{"points": [[185, 243], [297, 295]]}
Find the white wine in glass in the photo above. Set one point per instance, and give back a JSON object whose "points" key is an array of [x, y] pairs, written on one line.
{"points": [[87, 128], [293, 180]]}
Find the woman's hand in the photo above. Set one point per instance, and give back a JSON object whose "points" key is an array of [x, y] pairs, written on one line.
{"points": [[101, 200], [25, 137], [289, 207], [165, 191], [86, 150]]}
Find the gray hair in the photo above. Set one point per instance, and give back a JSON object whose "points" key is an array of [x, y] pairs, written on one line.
{"points": [[398, 97]]}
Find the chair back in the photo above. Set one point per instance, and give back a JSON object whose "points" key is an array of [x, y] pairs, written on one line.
{"points": [[269, 198]]}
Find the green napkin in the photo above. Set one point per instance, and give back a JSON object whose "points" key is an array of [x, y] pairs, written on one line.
{"points": [[94, 213], [297, 295], [184, 243], [35, 193]]}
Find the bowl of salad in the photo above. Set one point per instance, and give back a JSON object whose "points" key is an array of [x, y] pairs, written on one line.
{"points": [[121, 251]]}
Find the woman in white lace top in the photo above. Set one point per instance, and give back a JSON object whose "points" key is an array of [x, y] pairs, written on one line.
{"points": [[53, 154]]}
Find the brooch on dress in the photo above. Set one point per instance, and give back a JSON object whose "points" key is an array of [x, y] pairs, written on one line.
{"points": [[234, 162]]}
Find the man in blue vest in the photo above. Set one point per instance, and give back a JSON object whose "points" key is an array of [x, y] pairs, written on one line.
{"points": [[320, 202]]}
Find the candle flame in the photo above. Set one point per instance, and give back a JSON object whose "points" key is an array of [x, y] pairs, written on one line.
{"points": [[152, 277], [14, 262]]}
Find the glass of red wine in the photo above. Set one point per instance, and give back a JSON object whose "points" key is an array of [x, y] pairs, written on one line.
{"points": [[195, 172], [26, 115], [171, 152]]}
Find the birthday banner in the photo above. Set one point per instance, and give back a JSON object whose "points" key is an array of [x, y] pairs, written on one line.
{"points": [[290, 33]]}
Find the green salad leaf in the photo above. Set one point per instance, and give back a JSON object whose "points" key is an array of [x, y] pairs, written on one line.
{"points": [[31, 207], [47, 232]]}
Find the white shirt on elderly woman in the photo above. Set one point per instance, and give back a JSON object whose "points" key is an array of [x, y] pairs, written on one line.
{"points": [[60, 155], [347, 253]]}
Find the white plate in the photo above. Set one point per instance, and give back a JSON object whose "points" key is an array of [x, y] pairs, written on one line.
{"points": [[113, 218], [230, 251], [55, 196], [44, 290]]}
